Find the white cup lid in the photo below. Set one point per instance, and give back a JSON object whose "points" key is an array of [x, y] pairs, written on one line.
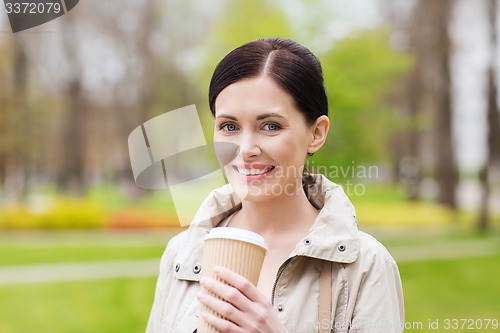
{"points": [[237, 234]]}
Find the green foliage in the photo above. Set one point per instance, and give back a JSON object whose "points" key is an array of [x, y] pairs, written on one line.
{"points": [[104, 206], [148, 209], [360, 72], [403, 214], [386, 205], [244, 21], [59, 214]]}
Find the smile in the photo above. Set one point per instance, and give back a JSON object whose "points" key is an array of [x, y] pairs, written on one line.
{"points": [[253, 172]]}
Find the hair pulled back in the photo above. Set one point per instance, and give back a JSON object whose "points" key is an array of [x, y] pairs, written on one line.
{"points": [[292, 66]]}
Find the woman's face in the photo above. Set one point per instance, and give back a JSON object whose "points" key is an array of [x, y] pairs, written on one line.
{"points": [[272, 135]]}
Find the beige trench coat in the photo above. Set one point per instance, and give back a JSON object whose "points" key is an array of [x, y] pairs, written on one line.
{"points": [[366, 287]]}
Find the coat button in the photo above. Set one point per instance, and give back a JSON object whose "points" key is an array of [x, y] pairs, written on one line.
{"points": [[280, 308], [342, 248], [177, 267], [196, 269]]}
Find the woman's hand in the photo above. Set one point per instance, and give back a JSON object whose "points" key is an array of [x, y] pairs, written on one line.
{"points": [[246, 309]]}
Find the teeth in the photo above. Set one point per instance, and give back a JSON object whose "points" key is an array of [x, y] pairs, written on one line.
{"points": [[251, 172]]}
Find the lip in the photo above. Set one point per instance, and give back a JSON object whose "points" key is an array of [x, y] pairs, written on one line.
{"points": [[266, 169]]}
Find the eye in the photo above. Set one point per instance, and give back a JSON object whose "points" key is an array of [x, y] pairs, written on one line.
{"points": [[272, 127], [228, 127]]}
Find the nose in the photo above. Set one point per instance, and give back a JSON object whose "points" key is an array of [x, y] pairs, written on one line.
{"points": [[249, 147]]}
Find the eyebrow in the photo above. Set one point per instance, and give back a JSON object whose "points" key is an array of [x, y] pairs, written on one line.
{"points": [[269, 115], [226, 116], [259, 117]]}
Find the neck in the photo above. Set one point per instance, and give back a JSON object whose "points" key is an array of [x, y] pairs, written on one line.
{"points": [[278, 216]]}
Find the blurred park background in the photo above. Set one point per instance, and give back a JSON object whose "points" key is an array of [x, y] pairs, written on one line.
{"points": [[415, 141]]}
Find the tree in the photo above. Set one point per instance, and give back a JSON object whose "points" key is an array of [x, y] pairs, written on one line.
{"points": [[430, 96], [73, 131], [360, 72], [446, 172], [16, 152], [493, 151]]}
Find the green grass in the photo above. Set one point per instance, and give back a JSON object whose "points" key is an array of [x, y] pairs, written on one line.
{"points": [[98, 306], [32, 247], [110, 196], [434, 290], [428, 237], [14, 255], [451, 289], [104, 306], [375, 193]]}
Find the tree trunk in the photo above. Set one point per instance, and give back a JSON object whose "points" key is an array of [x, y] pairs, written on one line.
{"points": [[72, 157], [446, 171], [415, 94], [493, 125], [21, 124], [429, 92], [71, 177]]}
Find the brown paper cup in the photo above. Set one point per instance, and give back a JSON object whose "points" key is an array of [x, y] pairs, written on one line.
{"points": [[240, 250]]}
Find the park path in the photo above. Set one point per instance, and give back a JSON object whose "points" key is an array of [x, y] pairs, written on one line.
{"points": [[446, 250], [60, 272]]}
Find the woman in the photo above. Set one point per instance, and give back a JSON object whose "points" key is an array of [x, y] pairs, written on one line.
{"points": [[321, 274]]}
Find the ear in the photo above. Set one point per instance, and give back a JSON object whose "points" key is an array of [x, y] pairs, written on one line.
{"points": [[319, 131]]}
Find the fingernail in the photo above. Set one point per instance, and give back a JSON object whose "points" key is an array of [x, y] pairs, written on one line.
{"points": [[203, 281], [217, 269]]}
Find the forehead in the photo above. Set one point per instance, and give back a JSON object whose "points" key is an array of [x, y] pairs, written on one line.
{"points": [[255, 95]]}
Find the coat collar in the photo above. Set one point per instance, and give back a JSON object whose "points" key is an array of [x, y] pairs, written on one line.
{"points": [[333, 235]]}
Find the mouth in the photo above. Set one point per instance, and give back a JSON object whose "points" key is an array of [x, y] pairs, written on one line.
{"points": [[254, 172]]}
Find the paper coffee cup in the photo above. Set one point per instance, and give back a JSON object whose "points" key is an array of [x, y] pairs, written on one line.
{"points": [[240, 250]]}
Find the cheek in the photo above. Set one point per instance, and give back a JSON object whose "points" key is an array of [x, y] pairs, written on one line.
{"points": [[218, 137], [288, 149]]}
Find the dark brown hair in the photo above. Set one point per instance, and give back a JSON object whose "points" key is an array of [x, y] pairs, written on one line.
{"points": [[292, 66]]}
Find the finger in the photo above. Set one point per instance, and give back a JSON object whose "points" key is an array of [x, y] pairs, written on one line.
{"points": [[225, 309], [241, 283], [228, 293], [221, 324]]}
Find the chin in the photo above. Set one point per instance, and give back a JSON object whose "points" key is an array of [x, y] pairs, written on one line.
{"points": [[258, 193]]}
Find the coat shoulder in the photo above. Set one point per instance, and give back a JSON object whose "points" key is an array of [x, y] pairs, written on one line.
{"points": [[173, 247], [372, 251]]}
